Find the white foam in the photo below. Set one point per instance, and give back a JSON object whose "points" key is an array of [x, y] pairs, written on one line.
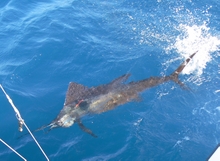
{"points": [[196, 38]]}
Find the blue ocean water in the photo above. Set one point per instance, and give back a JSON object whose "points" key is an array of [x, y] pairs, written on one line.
{"points": [[47, 44]]}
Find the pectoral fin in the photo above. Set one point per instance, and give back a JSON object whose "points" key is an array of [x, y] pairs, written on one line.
{"points": [[85, 129]]}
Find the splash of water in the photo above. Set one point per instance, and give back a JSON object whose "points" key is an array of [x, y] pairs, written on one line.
{"points": [[196, 38]]}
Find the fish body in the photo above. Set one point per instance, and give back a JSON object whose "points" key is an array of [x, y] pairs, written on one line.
{"points": [[82, 100]]}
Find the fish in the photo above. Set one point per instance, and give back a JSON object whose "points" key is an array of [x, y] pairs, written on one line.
{"points": [[81, 100]]}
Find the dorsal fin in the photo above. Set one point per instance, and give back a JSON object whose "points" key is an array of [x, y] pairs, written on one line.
{"points": [[77, 91], [120, 80], [74, 92]]}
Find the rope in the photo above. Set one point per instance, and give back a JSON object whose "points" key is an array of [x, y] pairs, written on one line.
{"points": [[21, 121], [13, 150], [17, 113]]}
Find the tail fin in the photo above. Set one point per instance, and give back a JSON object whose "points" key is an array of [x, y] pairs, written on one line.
{"points": [[175, 74]]}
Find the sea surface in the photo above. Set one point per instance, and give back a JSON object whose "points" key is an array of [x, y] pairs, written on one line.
{"points": [[44, 45]]}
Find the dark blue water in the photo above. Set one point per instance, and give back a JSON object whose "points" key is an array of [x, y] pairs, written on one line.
{"points": [[47, 44]]}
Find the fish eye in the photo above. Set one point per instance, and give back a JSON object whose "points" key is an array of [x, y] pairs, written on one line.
{"points": [[83, 105]]}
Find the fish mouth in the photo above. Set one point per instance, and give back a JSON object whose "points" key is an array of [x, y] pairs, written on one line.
{"points": [[50, 126]]}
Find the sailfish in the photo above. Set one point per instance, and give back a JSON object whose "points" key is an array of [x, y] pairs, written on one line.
{"points": [[81, 100]]}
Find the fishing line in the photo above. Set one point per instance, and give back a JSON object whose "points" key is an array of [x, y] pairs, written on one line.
{"points": [[13, 150], [21, 121]]}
